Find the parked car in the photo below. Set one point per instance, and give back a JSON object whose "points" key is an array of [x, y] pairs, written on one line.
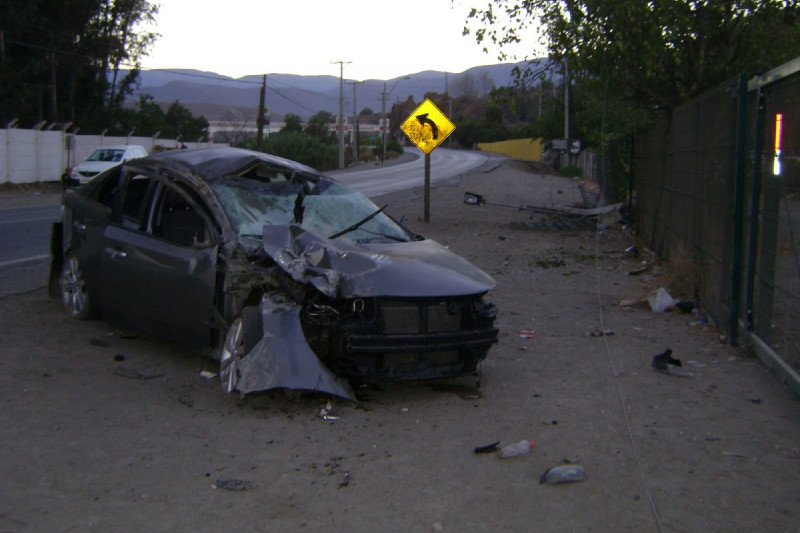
{"points": [[101, 160], [287, 277]]}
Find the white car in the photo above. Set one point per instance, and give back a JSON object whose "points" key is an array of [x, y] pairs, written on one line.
{"points": [[102, 159]]}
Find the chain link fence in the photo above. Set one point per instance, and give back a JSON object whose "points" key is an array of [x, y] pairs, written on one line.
{"points": [[717, 194]]}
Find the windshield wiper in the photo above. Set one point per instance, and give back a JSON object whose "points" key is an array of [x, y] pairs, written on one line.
{"points": [[359, 223]]}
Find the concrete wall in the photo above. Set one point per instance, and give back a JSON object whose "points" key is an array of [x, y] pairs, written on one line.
{"points": [[525, 149], [29, 156]]}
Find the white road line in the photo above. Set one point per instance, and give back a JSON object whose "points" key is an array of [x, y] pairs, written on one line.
{"points": [[17, 262]]}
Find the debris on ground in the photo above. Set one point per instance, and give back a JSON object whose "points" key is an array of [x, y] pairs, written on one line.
{"points": [[234, 485], [487, 448], [135, 374], [513, 450], [664, 362], [563, 474], [660, 300], [600, 332]]}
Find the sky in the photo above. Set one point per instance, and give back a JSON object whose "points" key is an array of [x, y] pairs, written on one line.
{"points": [[377, 39]]}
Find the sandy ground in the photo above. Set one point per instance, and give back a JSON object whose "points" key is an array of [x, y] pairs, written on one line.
{"points": [[112, 431]]}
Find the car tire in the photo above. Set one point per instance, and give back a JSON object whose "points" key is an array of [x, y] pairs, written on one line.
{"points": [[243, 334], [74, 295]]}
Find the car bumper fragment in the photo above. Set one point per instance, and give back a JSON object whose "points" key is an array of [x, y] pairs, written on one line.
{"points": [[283, 358]]}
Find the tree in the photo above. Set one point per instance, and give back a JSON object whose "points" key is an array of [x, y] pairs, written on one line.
{"points": [[318, 125], [292, 123], [180, 123], [651, 54], [63, 60]]}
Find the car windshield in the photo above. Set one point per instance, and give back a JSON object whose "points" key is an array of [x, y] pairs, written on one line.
{"points": [[329, 209], [106, 155]]}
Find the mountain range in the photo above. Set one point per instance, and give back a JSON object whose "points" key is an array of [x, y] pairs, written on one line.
{"points": [[221, 98]]}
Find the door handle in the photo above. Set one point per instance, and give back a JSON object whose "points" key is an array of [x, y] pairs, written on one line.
{"points": [[115, 253]]}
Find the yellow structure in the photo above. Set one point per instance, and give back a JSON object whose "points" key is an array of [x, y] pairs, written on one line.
{"points": [[525, 149]]}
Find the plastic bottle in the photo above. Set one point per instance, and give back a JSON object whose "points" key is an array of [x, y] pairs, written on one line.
{"points": [[518, 448]]}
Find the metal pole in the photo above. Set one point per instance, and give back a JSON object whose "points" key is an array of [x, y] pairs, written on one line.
{"points": [[755, 211], [427, 217], [738, 212], [354, 133], [341, 115], [260, 121], [383, 123], [341, 112]]}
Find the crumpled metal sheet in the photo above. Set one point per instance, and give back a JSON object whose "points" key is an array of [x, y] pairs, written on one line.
{"points": [[283, 358], [343, 270]]}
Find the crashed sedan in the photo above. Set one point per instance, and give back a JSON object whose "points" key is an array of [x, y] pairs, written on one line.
{"points": [[287, 277]]}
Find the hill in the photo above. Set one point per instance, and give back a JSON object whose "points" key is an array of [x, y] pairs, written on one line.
{"points": [[220, 98]]}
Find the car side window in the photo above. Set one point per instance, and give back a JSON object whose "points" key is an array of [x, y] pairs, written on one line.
{"points": [[136, 204], [179, 222]]}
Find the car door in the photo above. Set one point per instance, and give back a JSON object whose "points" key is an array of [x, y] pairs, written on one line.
{"points": [[159, 262]]}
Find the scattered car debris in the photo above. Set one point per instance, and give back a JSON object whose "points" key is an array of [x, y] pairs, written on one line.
{"points": [[664, 362], [513, 450], [126, 372], [600, 332], [552, 209], [327, 412], [345, 480], [638, 271], [207, 374], [487, 448], [526, 333], [233, 485], [568, 473]]}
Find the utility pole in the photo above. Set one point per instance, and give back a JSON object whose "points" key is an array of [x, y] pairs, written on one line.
{"points": [[260, 119], [341, 112], [354, 133], [384, 122]]}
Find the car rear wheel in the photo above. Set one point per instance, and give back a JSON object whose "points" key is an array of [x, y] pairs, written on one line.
{"points": [[243, 334], [74, 295]]}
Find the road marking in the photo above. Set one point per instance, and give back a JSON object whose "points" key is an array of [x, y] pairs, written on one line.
{"points": [[17, 262]]}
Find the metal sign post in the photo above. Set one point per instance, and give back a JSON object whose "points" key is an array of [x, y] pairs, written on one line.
{"points": [[427, 127]]}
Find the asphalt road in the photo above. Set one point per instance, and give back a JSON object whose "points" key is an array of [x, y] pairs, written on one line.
{"points": [[25, 231]]}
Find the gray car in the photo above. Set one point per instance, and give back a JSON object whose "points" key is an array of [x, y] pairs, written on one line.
{"points": [[287, 277]]}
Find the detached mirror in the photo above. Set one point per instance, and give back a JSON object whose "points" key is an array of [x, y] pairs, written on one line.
{"points": [[473, 199]]}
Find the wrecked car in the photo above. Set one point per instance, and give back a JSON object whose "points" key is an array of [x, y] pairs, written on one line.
{"points": [[289, 278]]}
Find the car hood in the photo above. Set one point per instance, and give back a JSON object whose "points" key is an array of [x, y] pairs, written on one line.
{"points": [[343, 270], [96, 166]]}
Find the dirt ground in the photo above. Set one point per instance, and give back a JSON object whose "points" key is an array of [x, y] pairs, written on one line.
{"points": [[112, 431]]}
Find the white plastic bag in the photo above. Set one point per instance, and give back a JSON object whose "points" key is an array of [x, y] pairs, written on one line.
{"points": [[660, 300]]}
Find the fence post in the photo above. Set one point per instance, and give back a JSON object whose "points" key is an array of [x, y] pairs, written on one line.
{"points": [[738, 210]]}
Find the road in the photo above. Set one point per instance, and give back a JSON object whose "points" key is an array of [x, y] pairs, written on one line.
{"points": [[25, 231], [376, 180]]}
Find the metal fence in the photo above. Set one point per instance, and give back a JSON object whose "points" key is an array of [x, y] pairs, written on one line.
{"points": [[715, 191]]}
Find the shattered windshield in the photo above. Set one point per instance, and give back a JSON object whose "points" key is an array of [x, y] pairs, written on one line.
{"points": [[328, 209]]}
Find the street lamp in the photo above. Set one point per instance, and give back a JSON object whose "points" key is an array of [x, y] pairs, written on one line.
{"points": [[383, 113]]}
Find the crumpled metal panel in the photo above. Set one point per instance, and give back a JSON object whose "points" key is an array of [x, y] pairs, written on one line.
{"points": [[283, 358], [342, 270]]}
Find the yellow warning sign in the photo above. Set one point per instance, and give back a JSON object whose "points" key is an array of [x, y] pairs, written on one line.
{"points": [[427, 126]]}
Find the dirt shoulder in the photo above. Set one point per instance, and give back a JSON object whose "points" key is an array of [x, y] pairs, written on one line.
{"points": [[115, 431]]}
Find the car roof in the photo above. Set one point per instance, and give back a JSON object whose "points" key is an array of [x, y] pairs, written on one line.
{"points": [[118, 147], [215, 162]]}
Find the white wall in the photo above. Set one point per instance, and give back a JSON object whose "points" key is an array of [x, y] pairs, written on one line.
{"points": [[29, 156]]}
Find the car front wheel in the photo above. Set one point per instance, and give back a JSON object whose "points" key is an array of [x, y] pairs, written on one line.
{"points": [[74, 295], [243, 334]]}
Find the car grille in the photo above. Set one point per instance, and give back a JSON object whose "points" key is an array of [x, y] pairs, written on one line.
{"points": [[421, 338]]}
